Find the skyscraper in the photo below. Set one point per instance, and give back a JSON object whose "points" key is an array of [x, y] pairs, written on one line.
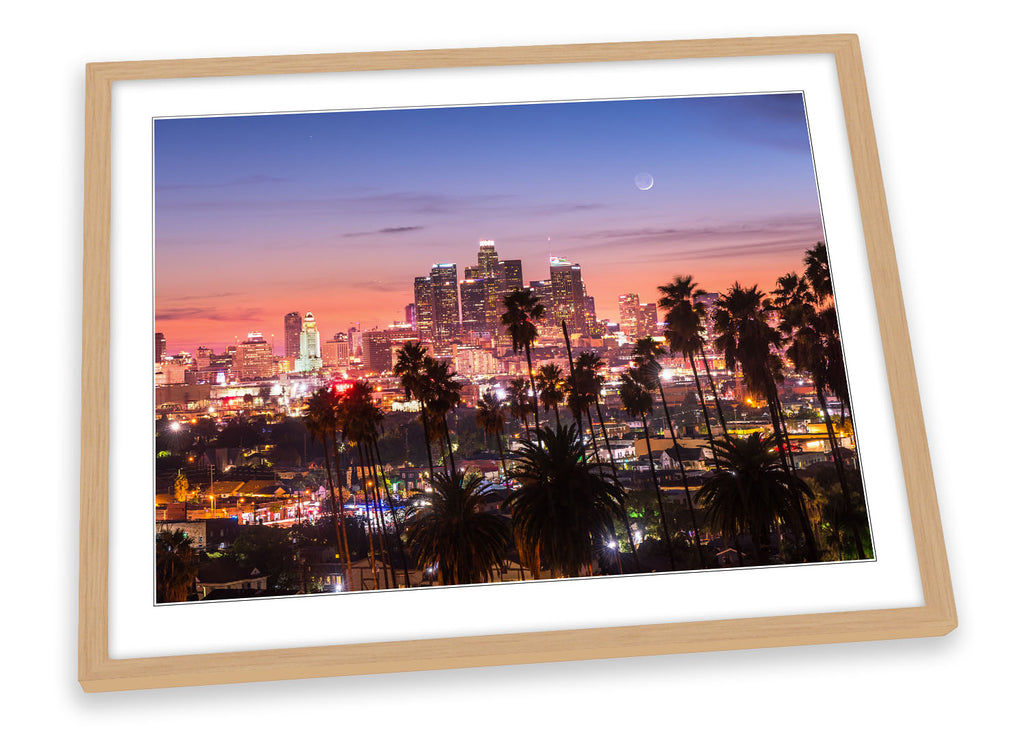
{"points": [[487, 259], [510, 275], [647, 320], [161, 347], [568, 293], [292, 329], [309, 346], [474, 304], [629, 307], [445, 286], [254, 358], [543, 292], [423, 296]]}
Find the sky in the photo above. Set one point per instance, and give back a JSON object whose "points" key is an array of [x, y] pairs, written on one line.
{"points": [[337, 212]]}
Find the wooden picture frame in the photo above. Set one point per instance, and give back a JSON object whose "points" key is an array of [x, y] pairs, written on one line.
{"points": [[98, 671]]}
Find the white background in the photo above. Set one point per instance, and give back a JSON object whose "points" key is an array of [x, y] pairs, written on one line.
{"points": [[942, 92]]}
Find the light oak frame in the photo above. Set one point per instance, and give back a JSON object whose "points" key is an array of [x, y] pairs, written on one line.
{"points": [[98, 672]]}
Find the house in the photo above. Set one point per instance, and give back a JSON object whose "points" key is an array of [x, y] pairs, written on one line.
{"points": [[219, 574], [204, 534], [693, 458]]}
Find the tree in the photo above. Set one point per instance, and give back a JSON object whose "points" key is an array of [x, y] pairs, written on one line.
{"points": [[563, 507], [519, 404], [442, 396], [685, 317], [410, 367], [646, 354], [177, 565], [269, 549], [490, 417], [552, 388], [450, 530], [637, 402], [522, 311], [752, 491], [322, 423]]}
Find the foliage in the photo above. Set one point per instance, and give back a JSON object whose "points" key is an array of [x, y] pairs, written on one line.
{"points": [[269, 549], [450, 530], [177, 565]]}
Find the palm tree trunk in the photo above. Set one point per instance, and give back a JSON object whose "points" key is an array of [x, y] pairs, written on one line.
{"points": [[840, 471], [426, 436], [448, 441], [533, 388], [775, 408], [369, 519], [657, 491], [714, 392], [682, 471], [382, 535], [501, 455], [704, 406], [615, 475], [394, 516], [334, 511], [341, 510]]}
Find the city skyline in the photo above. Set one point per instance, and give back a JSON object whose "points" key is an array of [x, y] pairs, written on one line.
{"points": [[336, 213]]}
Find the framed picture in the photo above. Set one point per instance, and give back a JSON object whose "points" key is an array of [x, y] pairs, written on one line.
{"points": [[490, 356]]}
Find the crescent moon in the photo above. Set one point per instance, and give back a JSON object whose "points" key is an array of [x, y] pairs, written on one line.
{"points": [[643, 181]]}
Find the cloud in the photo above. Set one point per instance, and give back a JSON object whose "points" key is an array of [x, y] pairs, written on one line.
{"points": [[384, 231], [242, 314], [216, 295], [381, 285]]}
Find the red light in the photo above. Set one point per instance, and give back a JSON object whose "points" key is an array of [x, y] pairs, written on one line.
{"points": [[343, 387]]}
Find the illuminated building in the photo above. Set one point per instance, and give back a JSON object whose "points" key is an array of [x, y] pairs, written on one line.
{"points": [[707, 301], [410, 313], [335, 352], [423, 296], [543, 292], [444, 282], [647, 320], [292, 331], [204, 356], [509, 275], [567, 295], [161, 347], [487, 259], [309, 346], [629, 307], [254, 358], [474, 304], [378, 353]]}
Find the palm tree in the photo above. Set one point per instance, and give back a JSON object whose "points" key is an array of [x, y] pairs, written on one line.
{"points": [[586, 391], [442, 394], [519, 404], [552, 388], [563, 507], [813, 345], [522, 311], [490, 416], [637, 402], [410, 367], [746, 339], [177, 565], [450, 530], [322, 423], [752, 491], [684, 318], [646, 353]]}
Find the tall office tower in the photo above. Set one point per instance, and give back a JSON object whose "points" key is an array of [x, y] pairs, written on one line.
{"points": [[510, 275], [423, 296], [355, 341], [487, 259], [567, 292], [629, 307], [474, 304], [445, 283], [590, 315], [647, 321], [161, 347], [542, 290], [335, 352], [292, 330], [473, 272], [309, 346], [707, 301], [254, 358], [410, 313]]}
